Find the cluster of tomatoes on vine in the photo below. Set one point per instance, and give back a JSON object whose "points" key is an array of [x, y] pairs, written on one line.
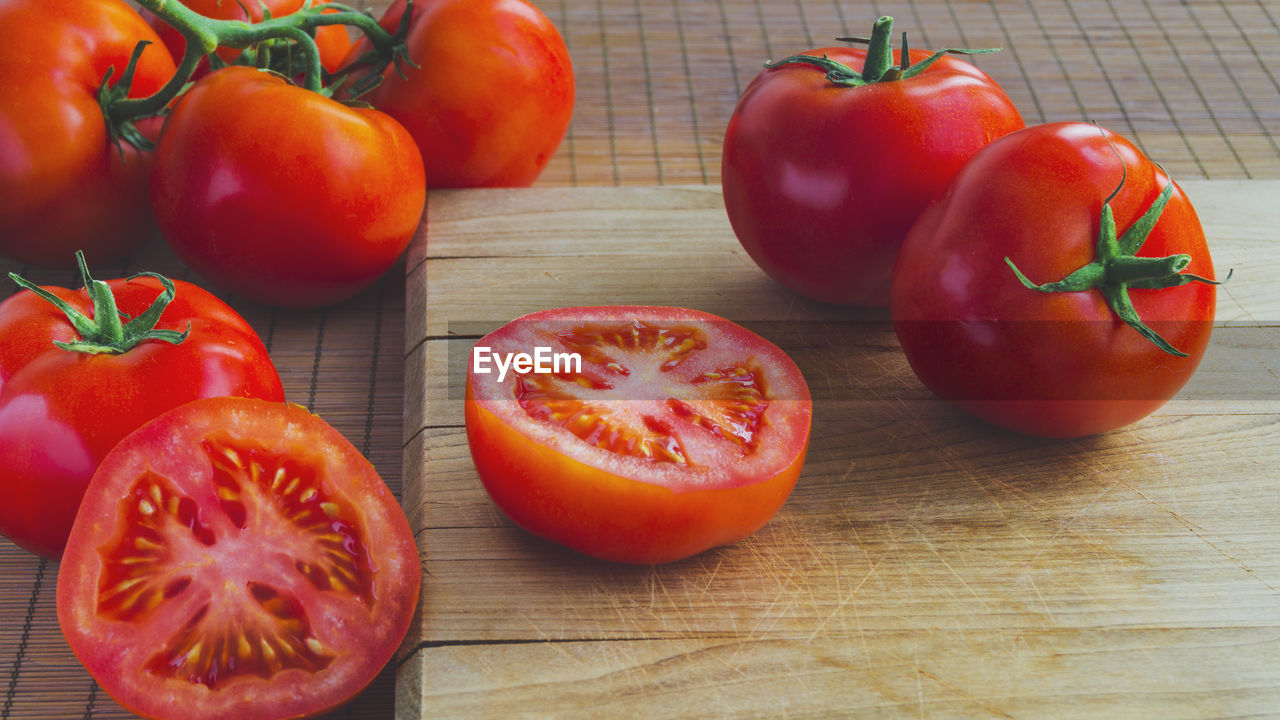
{"points": [[223, 553], [296, 187]]}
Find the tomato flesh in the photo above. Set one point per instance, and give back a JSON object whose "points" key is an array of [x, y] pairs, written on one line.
{"points": [[679, 432], [224, 564], [727, 402]]}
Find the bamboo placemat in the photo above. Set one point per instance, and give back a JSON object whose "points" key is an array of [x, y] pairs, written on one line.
{"points": [[1193, 83]]}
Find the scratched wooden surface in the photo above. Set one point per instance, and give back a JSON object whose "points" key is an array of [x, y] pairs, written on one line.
{"points": [[1195, 83], [926, 564]]}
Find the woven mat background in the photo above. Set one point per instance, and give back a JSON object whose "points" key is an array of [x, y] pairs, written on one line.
{"points": [[1193, 82]]}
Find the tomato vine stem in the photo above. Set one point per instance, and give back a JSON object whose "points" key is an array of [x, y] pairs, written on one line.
{"points": [[204, 35]]}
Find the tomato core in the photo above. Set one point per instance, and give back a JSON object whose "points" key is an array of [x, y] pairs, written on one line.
{"points": [[635, 362], [241, 628]]}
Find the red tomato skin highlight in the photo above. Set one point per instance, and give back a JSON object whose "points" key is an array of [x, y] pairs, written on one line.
{"points": [[1048, 364], [821, 183], [65, 185], [62, 411], [493, 93], [281, 195], [607, 516]]}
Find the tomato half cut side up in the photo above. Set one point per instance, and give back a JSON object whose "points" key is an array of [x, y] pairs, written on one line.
{"points": [[676, 432], [237, 558]]}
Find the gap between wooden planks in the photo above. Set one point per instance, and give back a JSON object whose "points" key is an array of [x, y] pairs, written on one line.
{"points": [[925, 564]]}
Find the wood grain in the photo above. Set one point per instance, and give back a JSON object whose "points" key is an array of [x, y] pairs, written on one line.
{"points": [[926, 564]]}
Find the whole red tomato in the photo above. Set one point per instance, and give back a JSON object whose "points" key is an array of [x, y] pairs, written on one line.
{"points": [[491, 95], [283, 195], [1108, 337], [675, 432], [822, 180], [237, 558], [62, 409], [64, 185], [333, 40]]}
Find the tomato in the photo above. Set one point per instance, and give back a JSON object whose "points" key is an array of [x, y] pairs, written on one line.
{"points": [[822, 181], [333, 40], [62, 410], [677, 432], [1058, 364], [491, 95], [282, 195], [237, 558], [65, 185]]}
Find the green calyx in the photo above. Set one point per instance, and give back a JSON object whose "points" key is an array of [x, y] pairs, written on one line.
{"points": [[284, 44], [109, 331], [1115, 270], [121, 130], [878, 66], [375, 62]]}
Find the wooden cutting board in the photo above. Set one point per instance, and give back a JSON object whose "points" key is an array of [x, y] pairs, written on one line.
{"points": [[927, 565]]}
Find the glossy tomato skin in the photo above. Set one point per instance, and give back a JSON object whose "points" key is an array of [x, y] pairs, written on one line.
{"points": [[281, 195], [1048, 364], [62, 411], [491, 96], [821, 182], [237, 558], [333, 40], [620, 506], [64, 186]]}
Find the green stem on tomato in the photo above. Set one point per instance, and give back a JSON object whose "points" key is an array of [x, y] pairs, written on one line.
{"points": [[1115, 270], [312, 51], [371, 65], [204, 35], [879, 51], [106, 332], [878, 65], [122, 130]]}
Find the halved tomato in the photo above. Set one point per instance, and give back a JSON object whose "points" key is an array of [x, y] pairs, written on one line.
{"points": [[236, 558], [675, 432]]}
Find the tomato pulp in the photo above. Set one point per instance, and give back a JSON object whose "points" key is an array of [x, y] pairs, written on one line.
{"points": [[678, 432], [237, 558]]}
